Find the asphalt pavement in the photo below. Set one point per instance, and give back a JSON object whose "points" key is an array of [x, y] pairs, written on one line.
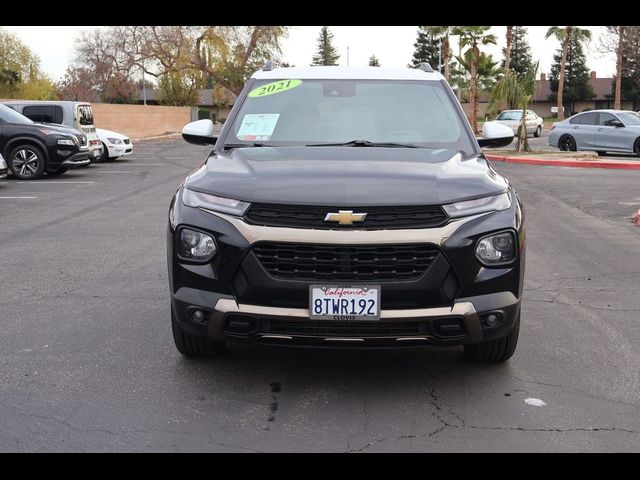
{"points": [[88, 362]]}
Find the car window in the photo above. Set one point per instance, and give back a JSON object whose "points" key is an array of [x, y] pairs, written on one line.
{"points": [[85, 115], [606, 119], [9, 115], [317, 111], [585, 119], [629, 118], [510, 115]]}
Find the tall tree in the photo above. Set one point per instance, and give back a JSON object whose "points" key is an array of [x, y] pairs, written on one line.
{"points": [[520, 53], [326, 53], [20, 75], [564, 36], [373, 61], [630, 74], [507, 50], [614, 40], [577, 85], [472, 36], [427, 48], [442, 33]]}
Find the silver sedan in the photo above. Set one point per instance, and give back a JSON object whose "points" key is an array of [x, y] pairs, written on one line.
{"points": [[598, 130]]}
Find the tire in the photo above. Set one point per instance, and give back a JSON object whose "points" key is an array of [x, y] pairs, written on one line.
{"points": [[567, 144], [636, 148], [105, 154], [495, 351], [27, 162], [538, 132], [193, 346], [60, 171]]}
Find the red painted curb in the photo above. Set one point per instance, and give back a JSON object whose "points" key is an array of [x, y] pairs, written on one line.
{"points": [[567, 163]]}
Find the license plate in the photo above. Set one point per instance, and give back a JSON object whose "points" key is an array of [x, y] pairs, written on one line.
{"points": [[352, 302]]}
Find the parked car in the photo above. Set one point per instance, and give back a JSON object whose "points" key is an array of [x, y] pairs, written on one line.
{"points": [[598, 130], [3, 167], [114, 144], [31, 149], [77, 115], [346, 207], [512, 118]]}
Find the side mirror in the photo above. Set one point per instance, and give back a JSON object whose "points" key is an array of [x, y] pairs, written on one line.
{"points": [[495, 135], [617, 123], [199, 132]]}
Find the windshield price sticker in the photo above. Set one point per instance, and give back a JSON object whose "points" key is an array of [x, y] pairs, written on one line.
{"points": [[275, 87], [257, 126]]}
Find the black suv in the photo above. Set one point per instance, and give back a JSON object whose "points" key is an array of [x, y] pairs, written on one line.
{"points": [[31, 149], [346, 207]]}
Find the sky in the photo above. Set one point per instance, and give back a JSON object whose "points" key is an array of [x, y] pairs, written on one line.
{"points": [[392, 45]]}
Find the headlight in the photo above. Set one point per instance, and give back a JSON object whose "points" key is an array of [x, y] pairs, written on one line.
{"points": [[115, 141], [479, 205], [195, 245], [66, 141], [3, 164], [497, 249], [213, 202]]}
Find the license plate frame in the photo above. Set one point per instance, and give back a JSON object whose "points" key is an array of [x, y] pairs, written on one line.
{"points": [[346, 317]]}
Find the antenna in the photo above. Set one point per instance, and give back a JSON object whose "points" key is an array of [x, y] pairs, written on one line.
{"points": [[268, 66], [425, 67]]}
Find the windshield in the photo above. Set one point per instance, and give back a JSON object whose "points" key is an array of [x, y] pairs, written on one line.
{"points": [[510, 116], [629, 118], [311, 112], [85, 115], [9, 115]]}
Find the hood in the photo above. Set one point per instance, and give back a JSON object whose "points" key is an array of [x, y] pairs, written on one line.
{"points": [[103, 134], [346, 176], [55, 127]]}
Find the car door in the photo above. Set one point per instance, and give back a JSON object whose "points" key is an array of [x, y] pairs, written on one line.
{"points": [[584, 131], [612, 137]]}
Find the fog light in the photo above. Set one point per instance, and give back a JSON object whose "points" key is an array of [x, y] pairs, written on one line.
{"points": [[492, 320], [197, 315]]}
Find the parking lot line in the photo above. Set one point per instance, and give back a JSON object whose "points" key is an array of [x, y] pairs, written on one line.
{"points": [[39, 182], [14, 198]]}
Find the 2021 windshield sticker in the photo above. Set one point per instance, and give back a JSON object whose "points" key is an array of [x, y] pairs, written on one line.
{"points": [[257, 127], [274, 87]]}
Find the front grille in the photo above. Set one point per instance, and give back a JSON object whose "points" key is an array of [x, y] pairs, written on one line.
{"points": [[329, 262], [127, 141], [345, 329], [305, 216]]}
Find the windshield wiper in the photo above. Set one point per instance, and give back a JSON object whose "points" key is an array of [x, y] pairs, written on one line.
{"points": [[227, 146], [363, 143]]}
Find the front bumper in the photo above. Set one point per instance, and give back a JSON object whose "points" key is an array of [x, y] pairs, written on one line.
{"points": [[465, 322], [80, 159], [119, 150], [448, 305]]}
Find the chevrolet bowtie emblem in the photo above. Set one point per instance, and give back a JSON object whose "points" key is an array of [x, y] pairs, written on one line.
{"points": [[345, 217]]}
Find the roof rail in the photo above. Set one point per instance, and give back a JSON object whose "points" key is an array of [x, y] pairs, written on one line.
{"points": [[268, 66], [425, 66]]}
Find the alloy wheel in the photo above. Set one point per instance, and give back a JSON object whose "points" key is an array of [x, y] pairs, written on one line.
{"points": [[26, 162]]}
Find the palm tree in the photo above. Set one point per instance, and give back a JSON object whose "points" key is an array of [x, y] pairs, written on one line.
{"points": [[507, 50], [619, 57], [487, 73], [471, 36], [443, 33], [564, 36], [516, 91]]}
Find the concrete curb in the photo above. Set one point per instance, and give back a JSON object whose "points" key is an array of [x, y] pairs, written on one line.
{"points": [[612, 164]]}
